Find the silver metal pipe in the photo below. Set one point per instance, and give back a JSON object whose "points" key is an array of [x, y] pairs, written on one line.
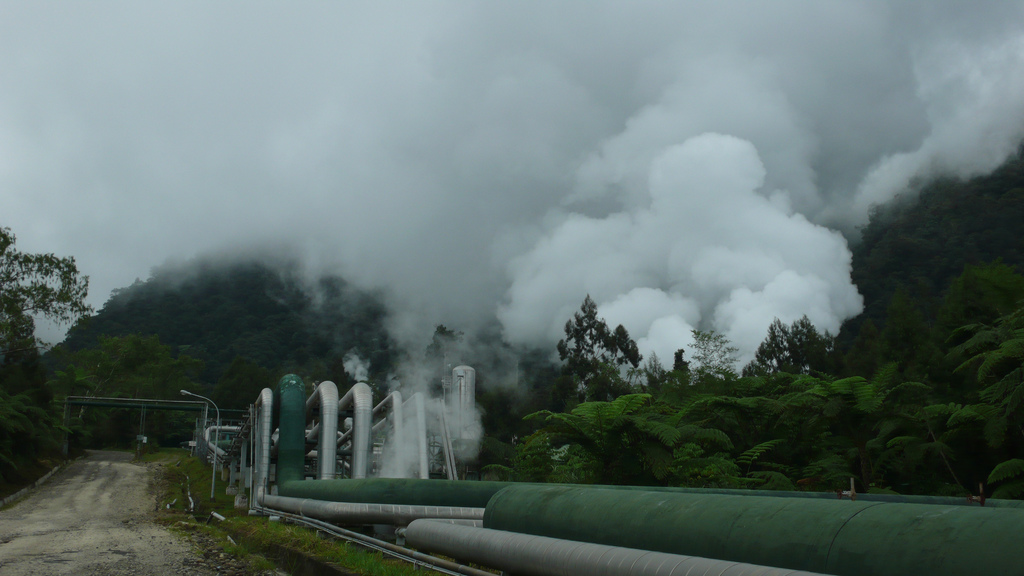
{"points": [[212, 447], [463, 400], [360, 398], [540, 556], [361, 513], [326, 397], [421, 436], [413, 557], [262, 428]]}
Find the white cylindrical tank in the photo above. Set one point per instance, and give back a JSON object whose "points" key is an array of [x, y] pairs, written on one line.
{"points": [[463, 400]]}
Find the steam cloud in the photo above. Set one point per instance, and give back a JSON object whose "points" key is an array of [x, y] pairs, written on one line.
{"points": [[684, 163], [704, 244]]}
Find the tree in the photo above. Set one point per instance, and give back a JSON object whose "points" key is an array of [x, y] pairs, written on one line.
{"points": [[35, 285], [31, 285], [241, 384], [628, 440], [593, 353], [997, 354], [795, 349], [713, 356], [133, 366]]}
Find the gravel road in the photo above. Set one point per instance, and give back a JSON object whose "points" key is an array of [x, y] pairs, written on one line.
{"points": [[95, 517]]}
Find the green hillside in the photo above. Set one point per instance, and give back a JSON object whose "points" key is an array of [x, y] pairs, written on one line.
{"points": [[267, 315]]}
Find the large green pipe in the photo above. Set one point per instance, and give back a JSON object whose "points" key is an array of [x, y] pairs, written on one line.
{"points": [[893, 498], [290, 410], [833, 537], [413, 492]]}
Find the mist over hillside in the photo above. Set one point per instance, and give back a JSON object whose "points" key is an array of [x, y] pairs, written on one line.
{"points": [[266, 312], [688, 164], [276, 314]]}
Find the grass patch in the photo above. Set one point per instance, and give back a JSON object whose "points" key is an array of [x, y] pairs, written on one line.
{"points": [[261, 533], [255, 536]]}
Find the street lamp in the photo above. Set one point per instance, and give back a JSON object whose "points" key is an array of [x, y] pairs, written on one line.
{"points": [[216, 437]]}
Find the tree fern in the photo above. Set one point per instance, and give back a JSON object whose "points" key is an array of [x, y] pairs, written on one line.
{"points": [[1012, 471], [751, 455]]}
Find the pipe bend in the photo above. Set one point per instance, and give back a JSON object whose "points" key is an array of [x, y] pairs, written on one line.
{"points": [[326, 397], [362, 422]]}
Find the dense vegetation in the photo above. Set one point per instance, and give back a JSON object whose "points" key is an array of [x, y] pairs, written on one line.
{"points": [[701, 424], [247, 313], [920, 394], [920, 242]]}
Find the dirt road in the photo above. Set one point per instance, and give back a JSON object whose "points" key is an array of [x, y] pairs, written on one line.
{"points": [[92, 518]]}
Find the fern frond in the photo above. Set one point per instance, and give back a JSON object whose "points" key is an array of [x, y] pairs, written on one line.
{"points": [[1007, 469], [751, 455]]}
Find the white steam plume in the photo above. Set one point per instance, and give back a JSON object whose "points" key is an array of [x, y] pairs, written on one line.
{"points": [[437, 149], [702, 249], [356, 367]]}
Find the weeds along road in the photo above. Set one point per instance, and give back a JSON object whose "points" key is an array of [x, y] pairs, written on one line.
{"points": [[95, 517]]}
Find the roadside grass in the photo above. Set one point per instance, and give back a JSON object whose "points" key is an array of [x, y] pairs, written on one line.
{"points": [[326, 549], [255, 536], [26, 475]]}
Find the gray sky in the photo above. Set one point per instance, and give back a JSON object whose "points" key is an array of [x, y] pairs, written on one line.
{"points": [[685, 163]]}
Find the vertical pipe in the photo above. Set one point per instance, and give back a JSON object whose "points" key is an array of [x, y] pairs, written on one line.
{"points": [[421, 433], [362, 422], [291, 451], [261, 447]]}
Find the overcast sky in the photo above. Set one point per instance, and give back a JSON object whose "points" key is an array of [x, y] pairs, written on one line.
{"points": [[688, 164]]}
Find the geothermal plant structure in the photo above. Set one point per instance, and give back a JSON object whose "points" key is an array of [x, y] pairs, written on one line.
{"points": [[325, 459]]}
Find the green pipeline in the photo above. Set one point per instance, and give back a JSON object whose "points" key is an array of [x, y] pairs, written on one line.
{"points": [[876, 536], [290, 413], [828, 536]]}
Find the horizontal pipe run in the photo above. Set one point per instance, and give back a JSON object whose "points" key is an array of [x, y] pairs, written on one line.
{"points": [[828, 536], [412, 556], [528, 555], [354, 513], [405, 491]]}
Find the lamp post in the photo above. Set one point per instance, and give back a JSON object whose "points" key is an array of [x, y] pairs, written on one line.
{"points": [[216, 437]]}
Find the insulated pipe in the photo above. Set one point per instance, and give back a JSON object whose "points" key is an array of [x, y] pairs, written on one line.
{"points": [[421, 426], [464, 401], [326, 397], [407, 491], [213, 447], [828, 536], [290, 401], [349, 513], [261, 457], [360, 398], [539, 556]]}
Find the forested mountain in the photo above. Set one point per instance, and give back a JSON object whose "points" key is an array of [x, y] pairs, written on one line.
{"points": [[922, 241], [254, 313]]}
